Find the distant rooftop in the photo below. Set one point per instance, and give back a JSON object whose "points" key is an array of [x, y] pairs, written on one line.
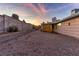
{"points": [[74, 11], [69, 17]]}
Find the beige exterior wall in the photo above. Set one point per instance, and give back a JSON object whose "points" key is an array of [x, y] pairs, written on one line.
{"points": [[71, 30]]}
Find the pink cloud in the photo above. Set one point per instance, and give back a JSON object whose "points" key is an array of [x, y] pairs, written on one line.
{"points": [[33, 7], [40, 10]]}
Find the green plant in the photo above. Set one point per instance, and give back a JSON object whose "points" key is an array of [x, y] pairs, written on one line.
{"points": [[12, 29]]}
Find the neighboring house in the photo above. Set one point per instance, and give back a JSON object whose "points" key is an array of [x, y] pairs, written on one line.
{"points": [[74, 11], [7, 21], [47, 27], [69, 25]]}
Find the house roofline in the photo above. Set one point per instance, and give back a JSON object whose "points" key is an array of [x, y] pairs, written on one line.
{"points": [[68, 18]]}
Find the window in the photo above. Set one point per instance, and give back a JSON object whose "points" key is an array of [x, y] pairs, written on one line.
{"points": [[69, 24], [59, 24]]}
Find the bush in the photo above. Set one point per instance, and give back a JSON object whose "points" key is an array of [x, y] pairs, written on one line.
{"points": [[12, 29]]}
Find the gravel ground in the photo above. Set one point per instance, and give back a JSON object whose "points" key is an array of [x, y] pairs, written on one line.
{"points": [[38, 44]]}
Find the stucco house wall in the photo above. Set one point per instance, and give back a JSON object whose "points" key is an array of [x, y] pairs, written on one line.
{"points": [[70, 27]]}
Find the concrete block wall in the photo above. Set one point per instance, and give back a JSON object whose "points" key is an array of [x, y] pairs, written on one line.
{"points": [[12, 22], [26, 26], [6, 21], [1, 24]]}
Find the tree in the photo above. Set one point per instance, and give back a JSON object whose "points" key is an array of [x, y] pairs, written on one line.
{"points": [[15, 16], [24, 21]]}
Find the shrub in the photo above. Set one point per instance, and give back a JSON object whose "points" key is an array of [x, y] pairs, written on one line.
{"points": [[12, 29]]}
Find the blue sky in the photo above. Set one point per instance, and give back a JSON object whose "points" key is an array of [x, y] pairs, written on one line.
{"points": [[37, 13]]}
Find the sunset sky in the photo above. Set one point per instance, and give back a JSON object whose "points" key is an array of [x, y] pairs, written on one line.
{"points": [[38, 13]]}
